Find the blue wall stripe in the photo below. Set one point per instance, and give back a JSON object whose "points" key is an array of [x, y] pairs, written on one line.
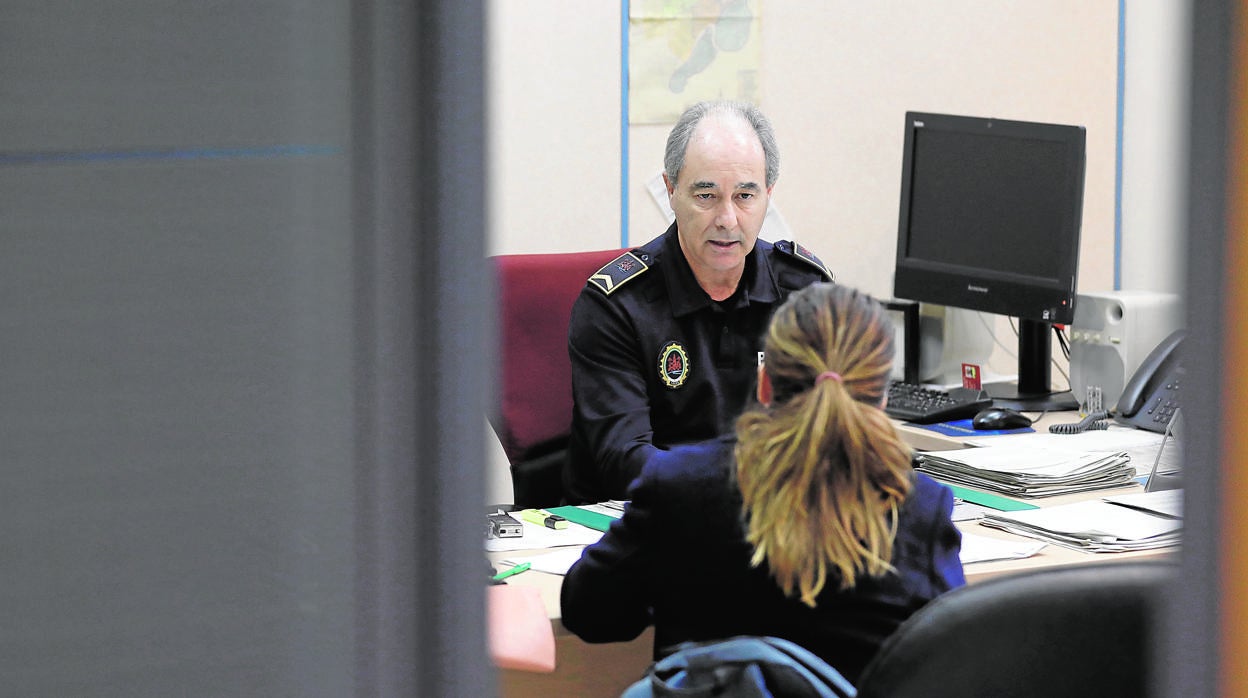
{"points": [[623, 123], [91, 156], [1122, 88]]}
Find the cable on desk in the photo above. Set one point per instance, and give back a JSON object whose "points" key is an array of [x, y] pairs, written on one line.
{"points": [[1093, 421]]}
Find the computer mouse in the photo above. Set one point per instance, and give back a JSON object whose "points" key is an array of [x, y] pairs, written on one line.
{"points": [[1000, 418]]}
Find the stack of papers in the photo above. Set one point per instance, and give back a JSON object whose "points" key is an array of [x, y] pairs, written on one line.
{"points": [[1113, 524], [1030, 472], [1141, 445]]}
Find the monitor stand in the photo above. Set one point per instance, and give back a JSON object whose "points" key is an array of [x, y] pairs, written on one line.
{"points": [[1032, 392], [1008, 395]]}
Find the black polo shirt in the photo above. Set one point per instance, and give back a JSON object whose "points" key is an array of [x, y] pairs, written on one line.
{"points": [[656, 362]]}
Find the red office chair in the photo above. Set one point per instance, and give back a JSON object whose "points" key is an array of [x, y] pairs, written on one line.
{"points": [[533, 416]]}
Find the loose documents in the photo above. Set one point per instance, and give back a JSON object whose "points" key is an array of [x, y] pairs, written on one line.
{"points": [[1163, 502], [1029, 472], [557, 561], [1101, 525], [537, 536], [984, 549]]}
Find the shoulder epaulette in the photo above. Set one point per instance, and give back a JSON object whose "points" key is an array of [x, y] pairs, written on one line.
{"points": [[796, 251], [618, 272]]}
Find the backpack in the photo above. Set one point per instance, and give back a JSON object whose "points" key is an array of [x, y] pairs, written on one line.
{"points": [[741, 667]]}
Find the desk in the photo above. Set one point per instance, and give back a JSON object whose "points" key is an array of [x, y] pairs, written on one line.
{"points": [[1051, 555], [590, 670]]}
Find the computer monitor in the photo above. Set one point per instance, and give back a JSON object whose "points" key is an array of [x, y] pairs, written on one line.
{"points": [[990, 218]]}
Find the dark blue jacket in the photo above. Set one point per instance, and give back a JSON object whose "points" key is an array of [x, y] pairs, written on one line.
{"points": [[679, 559], [656, 362]]}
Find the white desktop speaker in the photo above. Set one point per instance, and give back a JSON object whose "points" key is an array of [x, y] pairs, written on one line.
{"points": [[1112, 333]]}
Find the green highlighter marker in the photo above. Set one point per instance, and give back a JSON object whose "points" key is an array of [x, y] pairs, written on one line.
{"points": [[512, 572]]}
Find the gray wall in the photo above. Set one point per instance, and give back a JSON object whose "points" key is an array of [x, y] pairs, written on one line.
{"points": [[230, 234]]}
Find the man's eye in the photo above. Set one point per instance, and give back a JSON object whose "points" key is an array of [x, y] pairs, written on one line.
{"points": [[745, 195], [705, 196]]}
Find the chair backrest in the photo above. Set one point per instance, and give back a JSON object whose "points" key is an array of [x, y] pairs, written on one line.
{"points": [[533, 416], [1082, 630], [741, 667]]}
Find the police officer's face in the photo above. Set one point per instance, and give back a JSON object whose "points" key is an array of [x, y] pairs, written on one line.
{"points": [[720, 198]]}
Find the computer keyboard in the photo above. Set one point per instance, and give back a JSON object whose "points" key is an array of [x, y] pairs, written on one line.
{"points": [[923, 405]]}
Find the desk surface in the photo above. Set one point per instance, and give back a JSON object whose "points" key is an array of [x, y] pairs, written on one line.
{"points": [[588, 670], [1049, 556]]}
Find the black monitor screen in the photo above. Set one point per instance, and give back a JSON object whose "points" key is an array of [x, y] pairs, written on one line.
{"points": [[990, 217], [997, 201]]}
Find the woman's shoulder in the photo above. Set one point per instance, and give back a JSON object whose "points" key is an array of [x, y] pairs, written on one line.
{"points": [[925, 483], [927, 495], [688, 490], [692, 457], [701, 466]]}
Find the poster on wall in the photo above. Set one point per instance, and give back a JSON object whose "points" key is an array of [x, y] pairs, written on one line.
{"points": [[684, 51]]}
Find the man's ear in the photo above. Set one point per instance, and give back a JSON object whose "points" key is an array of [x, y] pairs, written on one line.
{"points": [[764, 386], [671, 186]]}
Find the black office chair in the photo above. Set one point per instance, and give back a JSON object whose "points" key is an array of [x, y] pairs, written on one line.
{"points": [[1073, 631]]}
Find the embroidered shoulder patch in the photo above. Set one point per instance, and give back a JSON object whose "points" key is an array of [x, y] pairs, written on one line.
{"points": [[618, 272], [796, 251]]}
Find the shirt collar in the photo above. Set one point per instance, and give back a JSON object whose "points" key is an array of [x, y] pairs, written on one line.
{"points": [[687, 296]]}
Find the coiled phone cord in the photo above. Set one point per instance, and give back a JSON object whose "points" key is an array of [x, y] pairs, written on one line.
{"points": [[1091, 422]]}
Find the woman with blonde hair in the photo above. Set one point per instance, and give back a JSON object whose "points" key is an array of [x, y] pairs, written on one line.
{"points": [[808, 524]]}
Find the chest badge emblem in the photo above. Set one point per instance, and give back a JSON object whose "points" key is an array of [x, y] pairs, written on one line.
{"points": [[673, 365]]}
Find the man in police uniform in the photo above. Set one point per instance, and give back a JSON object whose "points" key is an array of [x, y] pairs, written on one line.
{"points": [[665, 341]]}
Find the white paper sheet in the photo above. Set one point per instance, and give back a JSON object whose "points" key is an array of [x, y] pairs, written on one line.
{"points": [[536, 536], [983, 549], [557, 561], [1166, 502]]}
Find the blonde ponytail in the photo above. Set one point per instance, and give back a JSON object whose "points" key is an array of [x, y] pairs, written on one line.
{"points": [[822, 470]]}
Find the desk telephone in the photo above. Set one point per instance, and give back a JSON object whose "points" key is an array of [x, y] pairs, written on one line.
{"points": [[1151, 397]]}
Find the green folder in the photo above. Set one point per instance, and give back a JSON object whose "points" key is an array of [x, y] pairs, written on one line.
{"points": [[992, 501], [589, 519]]}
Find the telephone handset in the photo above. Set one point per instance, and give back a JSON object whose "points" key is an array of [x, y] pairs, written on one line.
{"points": [[1152, 395]]}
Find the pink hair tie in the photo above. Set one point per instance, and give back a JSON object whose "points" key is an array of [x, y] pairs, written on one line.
{"points": [[828, 375]]}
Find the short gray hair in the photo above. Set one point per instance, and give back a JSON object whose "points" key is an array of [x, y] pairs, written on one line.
{"points": [[678, 139]]}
